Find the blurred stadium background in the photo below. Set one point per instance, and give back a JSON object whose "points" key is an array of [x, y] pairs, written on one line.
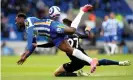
{"points": [[13, 40]]}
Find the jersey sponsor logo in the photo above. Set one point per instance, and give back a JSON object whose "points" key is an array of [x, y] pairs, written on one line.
{"points": [[59, 30], [29, 24], [26, 23], [42, 28], [42, 23], [47, 22]]}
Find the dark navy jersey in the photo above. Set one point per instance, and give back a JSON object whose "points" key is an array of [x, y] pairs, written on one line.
{"points": [[74, 43]]}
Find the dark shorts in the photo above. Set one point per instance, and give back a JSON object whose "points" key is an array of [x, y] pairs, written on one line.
{"points": [[110, 38], [74, 65], [57, 39]]}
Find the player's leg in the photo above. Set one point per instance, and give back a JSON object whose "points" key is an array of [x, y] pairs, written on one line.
{"points": [[113, 47], [113, 44], [76, 21], [64, 46], [107, 48], [113, 62], [107, 45], [61, 72], [107, 62], [67, 70]]}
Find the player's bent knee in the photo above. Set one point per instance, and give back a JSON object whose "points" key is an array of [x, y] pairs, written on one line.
{"points": [[56, 73], [67, 49]]}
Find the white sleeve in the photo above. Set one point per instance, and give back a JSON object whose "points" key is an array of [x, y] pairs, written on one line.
{"points": [[29, 20], [104, 24]]}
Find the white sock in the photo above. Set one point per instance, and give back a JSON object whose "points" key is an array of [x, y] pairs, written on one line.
{"points": [[116, 49], [77, 53], [76, 21], [106, 47], [113, 47]]}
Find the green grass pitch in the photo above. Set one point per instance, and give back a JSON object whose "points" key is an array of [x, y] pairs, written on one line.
{"points": [[42, 68]]}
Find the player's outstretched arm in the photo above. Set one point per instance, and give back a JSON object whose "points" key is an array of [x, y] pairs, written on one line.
{"points": [[83, 36], [25, 55], [47, 45], [30, 47]]}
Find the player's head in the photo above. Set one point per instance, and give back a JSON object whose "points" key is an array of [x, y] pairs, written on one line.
{"points": [[112, 15], [67, 22], [20, 19], [54, 11], [106, 17]]}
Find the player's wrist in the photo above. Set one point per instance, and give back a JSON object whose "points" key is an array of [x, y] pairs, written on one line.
{"points": [[81, 12], [26, 54], [23, 57]]}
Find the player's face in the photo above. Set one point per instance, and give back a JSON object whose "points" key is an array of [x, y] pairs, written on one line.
{"points": [[112, 15], [20, 21], [106, 18]]}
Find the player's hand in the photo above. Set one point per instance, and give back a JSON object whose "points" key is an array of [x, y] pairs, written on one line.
{"points": [[34, 44], [22, 60]]}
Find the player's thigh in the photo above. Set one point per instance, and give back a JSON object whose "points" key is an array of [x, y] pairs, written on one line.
{"points": [[106, 39], [73, 66], [64, 46], [59, 70], [114, 38]]}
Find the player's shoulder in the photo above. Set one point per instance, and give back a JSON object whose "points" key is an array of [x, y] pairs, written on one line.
{"points": [[115, 20], [32, 19], [58, 24], [109, 20], [29, 21], [105, 23]]}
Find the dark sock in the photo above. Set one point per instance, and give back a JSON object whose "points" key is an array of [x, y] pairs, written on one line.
{"points": [[67, 74], [107, 62]]}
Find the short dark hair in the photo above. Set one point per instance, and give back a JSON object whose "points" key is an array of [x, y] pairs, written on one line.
{"points": [[67, 22], [21, 15]]}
